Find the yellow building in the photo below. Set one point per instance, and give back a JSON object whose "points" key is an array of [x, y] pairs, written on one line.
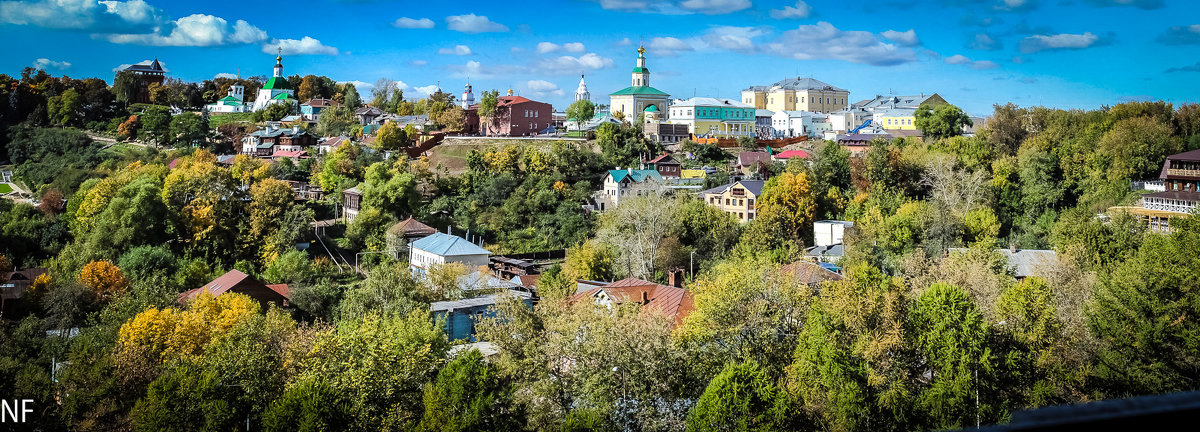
{"points": [[797, 94], [692, 174], [737, 198], [897, 119]]}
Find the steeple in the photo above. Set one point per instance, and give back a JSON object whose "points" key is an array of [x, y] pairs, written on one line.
{"points": [[279, 63], [641, 75], [582, 93], [468, 97]]}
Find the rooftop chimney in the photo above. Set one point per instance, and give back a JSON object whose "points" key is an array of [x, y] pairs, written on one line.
{"points": [[645, 298]]}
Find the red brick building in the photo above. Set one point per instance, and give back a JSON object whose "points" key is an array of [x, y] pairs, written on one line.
{"points": [[518, 116], [146, 73]]}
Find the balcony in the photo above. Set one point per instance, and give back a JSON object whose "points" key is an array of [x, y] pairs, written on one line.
{"points": [[1183, 172]]}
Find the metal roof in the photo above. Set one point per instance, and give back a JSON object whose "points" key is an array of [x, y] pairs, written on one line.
{"points": [[637, 176], [448, 245], [798, 83], [639, 90], [485, 300]]}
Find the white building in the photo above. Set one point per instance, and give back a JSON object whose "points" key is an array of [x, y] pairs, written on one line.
{"points": [[582, 92], [233, 103], [788, 124], [276, 90], [444, 248], [621, 182], [830, 232], [468, 97]]}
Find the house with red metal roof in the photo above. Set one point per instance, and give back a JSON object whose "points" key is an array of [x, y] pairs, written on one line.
{"points": [[237, 282], [789, 154], [674, 302]]}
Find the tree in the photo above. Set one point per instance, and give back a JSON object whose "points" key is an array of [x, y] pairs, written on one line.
{"points": [[275, 111], [591, 260], [129, 128], [740, 398], [308, 89], [104, 279], [352, 101], [488, 104], [950, 334], [189, 129], [789, 197], [636, 230], [307, 406], [942, 122], [144, 262], [126, 86], [335, 121], [1005, 129], [155, 124], [381, 91], [581, 111], [470, 394], [270, 200], [391, 137], [65, 109], [452, 119], [1134, 148]]}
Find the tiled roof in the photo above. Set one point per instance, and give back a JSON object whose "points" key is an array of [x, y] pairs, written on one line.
{"points": [[664, 158], [239, 282], [368, 110], [859, 137], [321, 103], [485, 300], [1023, 262], [637, 176], [709, 102], [448, 245], [797, 84], [1193, 155], [674, 302], [749, 158], [289, 153]]}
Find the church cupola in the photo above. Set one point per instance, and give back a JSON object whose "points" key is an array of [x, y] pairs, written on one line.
{"points": [[468, 97], [279, 64], [582, 92], [641, 75]]}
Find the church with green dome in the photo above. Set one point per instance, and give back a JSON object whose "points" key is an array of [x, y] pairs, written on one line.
{"points": [[277, 89], [639, 98]]}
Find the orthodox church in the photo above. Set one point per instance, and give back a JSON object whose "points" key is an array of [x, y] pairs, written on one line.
{"points": [[277, 89], [640, 97], [234, 103], [582, 92]]}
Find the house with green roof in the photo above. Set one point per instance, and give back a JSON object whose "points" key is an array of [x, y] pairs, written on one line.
{"points": [[276, 90], [639, 97], [619, 183], [232, 103]]}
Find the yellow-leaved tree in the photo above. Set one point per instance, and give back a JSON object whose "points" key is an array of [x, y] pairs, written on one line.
{"points": [[164, 334], [103, 278], [788, 199]]}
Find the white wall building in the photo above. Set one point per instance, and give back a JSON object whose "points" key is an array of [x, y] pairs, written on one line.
{"points": [[233, 103], [441, 248], [276, 90], [830, 232]]}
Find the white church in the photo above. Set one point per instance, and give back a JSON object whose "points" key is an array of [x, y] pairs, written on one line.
{"points": [[276, 90], [234, 103]]}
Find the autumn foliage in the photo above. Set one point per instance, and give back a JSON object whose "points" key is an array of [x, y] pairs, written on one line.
{"points": [[103, 278]]}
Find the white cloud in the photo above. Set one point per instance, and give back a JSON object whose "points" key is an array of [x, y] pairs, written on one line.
{"points": [[409, 23], [739, 39], [543, 88], [83, 15], [360, 86], [985, 42], [1181, 35], [1037, 43], [668, 46], [906, 38], [418, 62], [799, 11], [1140, 4], [195, 30], [824, 41], [461, 50], [474, 69], [547, 47], [471, 23], [959, 59], [572, 65], [307, 45], [226, 75], [675, 7], [426, 90], [624, 42], [574, 47], [44, 63]]}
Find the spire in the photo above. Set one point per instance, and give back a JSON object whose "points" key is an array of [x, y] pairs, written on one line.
{"points": [[279, 63], [641, 75], [582, 92]]}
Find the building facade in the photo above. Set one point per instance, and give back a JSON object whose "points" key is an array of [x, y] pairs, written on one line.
{"points": [[714, 117], [897, 119], [737, 198], [441, 248], [233, 103], [265, 142], [311, 110], [797, 94], [147, 73], [635, 99], [518, 116], [623, 182]]}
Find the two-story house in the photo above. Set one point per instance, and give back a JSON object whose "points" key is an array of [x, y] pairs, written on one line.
{"points": [[737, 198], [666, 166], [1181, 195], [265, 142], [619, 183], [441, 248]]}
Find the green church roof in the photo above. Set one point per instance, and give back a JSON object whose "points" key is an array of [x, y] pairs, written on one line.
{"points": [[639, 90], [277, 83], [282, 96], [651, 108], [640, 70], [229, 99]]}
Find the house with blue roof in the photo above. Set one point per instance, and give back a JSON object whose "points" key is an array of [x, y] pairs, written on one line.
{"points": [[441, 248], [621, 182]]}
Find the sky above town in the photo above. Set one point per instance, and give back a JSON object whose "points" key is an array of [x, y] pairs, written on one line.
{"points": [[1056, 53]]}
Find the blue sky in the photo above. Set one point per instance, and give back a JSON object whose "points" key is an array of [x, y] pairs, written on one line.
{"points": [[1059, 53]]}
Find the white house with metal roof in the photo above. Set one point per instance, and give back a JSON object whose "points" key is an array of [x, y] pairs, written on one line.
{"points": [[444, 248], [233, 103], [276, 90], [621, 182]]}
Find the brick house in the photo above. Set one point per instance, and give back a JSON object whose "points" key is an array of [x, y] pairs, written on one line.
{"points": [[518, 116]]}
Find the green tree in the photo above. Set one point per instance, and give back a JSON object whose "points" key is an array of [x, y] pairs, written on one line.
{"points": [[452, 119], [335, 121], [65, 109], [126, 86], [740, 398], [391, 137], [307, 406], [189, 129], [470, 394], [950, 334], [944, 121], [155, 124], [581, 111], [353, 101]]}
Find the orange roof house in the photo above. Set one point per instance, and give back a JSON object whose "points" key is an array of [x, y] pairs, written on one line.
{"points": [[237, 282], [674, 302]]}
